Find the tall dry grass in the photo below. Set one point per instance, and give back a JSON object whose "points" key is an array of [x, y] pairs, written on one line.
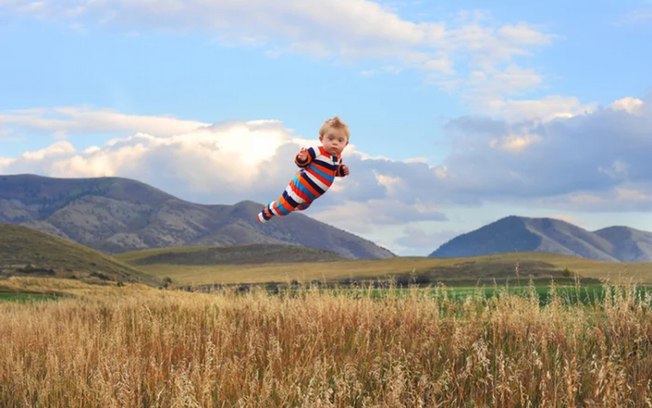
{"points": [[167, 349]]}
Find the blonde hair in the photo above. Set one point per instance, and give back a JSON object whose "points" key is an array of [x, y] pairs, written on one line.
{"points": [[335, 123]]}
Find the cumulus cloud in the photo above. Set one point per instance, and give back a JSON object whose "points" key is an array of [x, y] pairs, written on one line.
{"points": [[218, 163], [628, 104], [223, 163], [596, 161], [583, 160], [63, 121], [228, 162], [543, 109], [473, 49]]}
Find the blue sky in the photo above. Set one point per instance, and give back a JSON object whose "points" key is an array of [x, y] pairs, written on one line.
{"points": [[461, 112]]}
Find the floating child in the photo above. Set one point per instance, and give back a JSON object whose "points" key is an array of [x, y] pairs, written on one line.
{"points": [[319, 167]]}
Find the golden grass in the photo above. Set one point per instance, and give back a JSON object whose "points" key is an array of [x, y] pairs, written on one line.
{"points": [[135, 347], [614, 272]]}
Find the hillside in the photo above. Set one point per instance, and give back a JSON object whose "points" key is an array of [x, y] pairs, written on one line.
{"points": [[24, 251], [117, 215], [231, 255], [628, 243], [522, 234]]}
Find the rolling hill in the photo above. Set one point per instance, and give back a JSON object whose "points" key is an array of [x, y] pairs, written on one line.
{"points": [[231, 255], [24, 251], [116, 215], [522, 234]]}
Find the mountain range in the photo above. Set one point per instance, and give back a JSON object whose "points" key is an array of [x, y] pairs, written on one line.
{"points": [[116, 215], [522, 234]]}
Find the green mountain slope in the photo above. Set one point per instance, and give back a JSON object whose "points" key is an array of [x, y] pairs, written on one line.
{"points": [[24, 251], [230, 255]]}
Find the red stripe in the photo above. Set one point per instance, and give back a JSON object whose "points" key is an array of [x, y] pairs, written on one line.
{"points": [[320, 178]]}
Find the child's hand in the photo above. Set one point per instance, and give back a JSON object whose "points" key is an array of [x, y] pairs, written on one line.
{"points": [[345, 169], [302, 155]]}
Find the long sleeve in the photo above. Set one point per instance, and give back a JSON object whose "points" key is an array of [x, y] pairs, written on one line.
{"points": [[311, 156], [340, 171]]}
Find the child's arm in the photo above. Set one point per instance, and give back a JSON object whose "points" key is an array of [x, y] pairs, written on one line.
{"points": [[303, 158], [342, 170]]}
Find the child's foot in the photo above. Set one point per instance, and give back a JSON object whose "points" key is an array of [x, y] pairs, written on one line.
{"points": [[264, 215], [303, 206]]}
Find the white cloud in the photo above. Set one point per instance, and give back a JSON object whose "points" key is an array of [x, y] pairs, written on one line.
{"points": [[619, 199], [628, 104], [449, 53], [521, 33], [57, 149], [64, 121], [543, 109], [633, 195], [616, 170], [579, 159], [596, 161], [196, 163], [514, 142], [390, 183], [593, 153], [223, 163], [368, 215]]}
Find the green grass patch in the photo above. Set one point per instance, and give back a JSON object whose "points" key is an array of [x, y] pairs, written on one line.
{"points": [[228, 255], [544, 293], [569, 295], [27, 297]]}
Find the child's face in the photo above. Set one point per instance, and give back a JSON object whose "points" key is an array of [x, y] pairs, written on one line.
{"points": [[334, 141]]}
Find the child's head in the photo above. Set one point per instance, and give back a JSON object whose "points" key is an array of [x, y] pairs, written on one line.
{"points": [[334, 135]]}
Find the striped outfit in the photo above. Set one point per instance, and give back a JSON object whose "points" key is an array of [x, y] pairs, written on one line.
{"points": [[317, 174]]}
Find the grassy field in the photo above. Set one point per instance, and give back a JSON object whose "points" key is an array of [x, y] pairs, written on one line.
{"points": [[134, 346], [468, 271], [26, 297]]}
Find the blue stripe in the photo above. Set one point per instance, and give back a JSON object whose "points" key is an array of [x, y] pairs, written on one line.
{"points": [[301, 188], [281, 209], [329, 177], [277, 207]]}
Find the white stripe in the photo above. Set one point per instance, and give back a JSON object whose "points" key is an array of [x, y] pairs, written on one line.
{"points": [[316, 181], [293, 195], [273, 210]]}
